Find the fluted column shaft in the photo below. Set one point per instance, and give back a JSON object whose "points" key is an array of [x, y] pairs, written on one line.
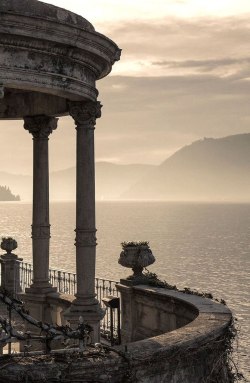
{"points": [[40, 127], [84, 115]]}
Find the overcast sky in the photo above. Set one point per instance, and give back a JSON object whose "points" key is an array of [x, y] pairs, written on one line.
{"points": [[184, 74]]}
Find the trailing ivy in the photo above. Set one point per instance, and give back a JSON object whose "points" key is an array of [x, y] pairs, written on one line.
{"points": [[153, 280], [225, 345]]}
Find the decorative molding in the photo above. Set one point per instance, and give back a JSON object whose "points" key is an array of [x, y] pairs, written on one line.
{"points": [[71, 86], [85, 237], [40, 126], [40, 231], [85, 113], [117, 55], [98, 43]]}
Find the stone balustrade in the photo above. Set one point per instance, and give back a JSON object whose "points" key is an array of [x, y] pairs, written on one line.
{"points": [[175, 338]]}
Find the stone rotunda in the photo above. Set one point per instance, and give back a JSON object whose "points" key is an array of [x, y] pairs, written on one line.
{"points": [[50, 59]]}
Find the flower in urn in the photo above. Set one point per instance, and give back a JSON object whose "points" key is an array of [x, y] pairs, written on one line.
{"points": [[136, 255], [8, 244]]}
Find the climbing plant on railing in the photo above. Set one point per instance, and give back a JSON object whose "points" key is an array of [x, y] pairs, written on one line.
{"points": [[49, 332], [224, 346]]}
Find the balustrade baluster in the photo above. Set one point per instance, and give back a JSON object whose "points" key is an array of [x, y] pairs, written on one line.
{"points": [[74, 284], [66, 283]]}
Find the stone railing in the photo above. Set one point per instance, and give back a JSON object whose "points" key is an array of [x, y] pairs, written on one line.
{"points": [[17, 276], [174, 337]]}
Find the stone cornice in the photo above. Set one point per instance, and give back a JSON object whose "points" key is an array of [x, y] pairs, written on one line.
{"points": [[85, 113], [40, 126], [46, 12], [63, 34]]}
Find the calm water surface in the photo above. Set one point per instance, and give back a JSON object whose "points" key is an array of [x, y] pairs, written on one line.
{"points": [[201, 246]]}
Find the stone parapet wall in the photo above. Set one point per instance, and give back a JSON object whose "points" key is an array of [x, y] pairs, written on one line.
{"points": [[187, 354], [148, 312]]}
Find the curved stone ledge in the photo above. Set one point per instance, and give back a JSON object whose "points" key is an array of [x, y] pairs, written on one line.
{"points": [[187, 354], [46, 11], [209, 319]]}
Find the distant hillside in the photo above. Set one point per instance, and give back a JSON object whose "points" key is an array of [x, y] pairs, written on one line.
{"points": [[209, 169], [6, 195], [19, 184], [111, 180]]}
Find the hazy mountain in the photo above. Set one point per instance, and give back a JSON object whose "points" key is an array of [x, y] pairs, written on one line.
{"points": [[111, 180], [6, 194], [208, 169], [19, 184]]}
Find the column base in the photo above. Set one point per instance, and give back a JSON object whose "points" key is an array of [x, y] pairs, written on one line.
{"points": [[40, 289], [42, 310], [91, 314]]}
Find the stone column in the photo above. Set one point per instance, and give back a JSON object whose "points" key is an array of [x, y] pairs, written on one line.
{"points": [[85, 304], [40, 127]]}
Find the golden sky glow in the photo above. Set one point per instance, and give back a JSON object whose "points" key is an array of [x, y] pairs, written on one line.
{"points": [[109, 16], [103, 10], [184, 74]]}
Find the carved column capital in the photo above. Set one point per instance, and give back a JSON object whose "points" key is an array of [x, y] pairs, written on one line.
{"points": [[85, 113], [40, 126], [85, 237]]}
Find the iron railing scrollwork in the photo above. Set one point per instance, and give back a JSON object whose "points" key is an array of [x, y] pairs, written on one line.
{"points": [[66, 284]]}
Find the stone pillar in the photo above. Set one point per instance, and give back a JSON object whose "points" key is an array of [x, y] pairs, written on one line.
{"points": [[128, 311], [10, 273], [40, 127], [85, 304]]}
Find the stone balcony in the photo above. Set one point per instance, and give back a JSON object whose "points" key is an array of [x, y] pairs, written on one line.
{"points": [[167, 336]]}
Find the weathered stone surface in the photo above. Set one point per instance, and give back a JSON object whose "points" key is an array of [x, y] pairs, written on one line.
{"points": [[40, 10], [46, 49], [85, 304], [185, 355], [50, 60]]}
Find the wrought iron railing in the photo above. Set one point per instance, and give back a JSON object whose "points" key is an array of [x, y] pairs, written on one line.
{"points": [[66, 284], [26, 274], [104, 288], [64, 281]]}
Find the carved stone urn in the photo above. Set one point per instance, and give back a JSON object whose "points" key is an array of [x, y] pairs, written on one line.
{"points": [[136, 255], [8, 244]]}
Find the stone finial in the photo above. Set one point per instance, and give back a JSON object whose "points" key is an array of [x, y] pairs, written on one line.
{"points": [[40, 126], [8, 244], [85, 113]]}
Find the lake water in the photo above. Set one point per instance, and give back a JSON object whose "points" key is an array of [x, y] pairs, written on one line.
{"points": [[201, 246]]}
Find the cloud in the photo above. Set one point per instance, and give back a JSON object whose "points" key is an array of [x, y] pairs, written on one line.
{"points": [[192, 80], [157, 115], [205, 64], [190, 45]]}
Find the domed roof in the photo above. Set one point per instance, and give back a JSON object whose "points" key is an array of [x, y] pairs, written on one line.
{"points": [[38, 9]]}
